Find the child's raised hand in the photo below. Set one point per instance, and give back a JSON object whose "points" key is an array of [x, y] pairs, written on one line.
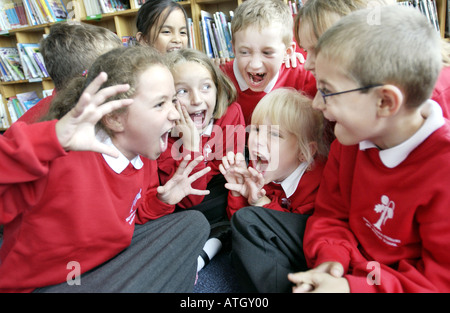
{"points": [[229, 162], [76, 130], [179, 186], [186, 126], [255, 184]]}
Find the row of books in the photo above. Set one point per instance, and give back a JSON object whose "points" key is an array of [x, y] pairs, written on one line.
{"points": [[95, 7], [17, 105], [23, 62], [427, 7], [216, 34], [21, 13]]}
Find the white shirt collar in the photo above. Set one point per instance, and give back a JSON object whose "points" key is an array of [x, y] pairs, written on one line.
{"points": [[208, 130], [290, 183], [243, 85], [117, 164], [392, 157]]}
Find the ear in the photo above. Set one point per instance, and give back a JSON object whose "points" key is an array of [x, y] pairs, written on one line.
{"points": [[312, 148], [114, 122], [390, 100], [140, 37]]}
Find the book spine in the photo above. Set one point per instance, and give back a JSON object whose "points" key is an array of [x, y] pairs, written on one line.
{"points": [[40, 61]]}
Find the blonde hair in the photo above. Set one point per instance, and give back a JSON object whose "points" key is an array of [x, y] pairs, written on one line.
{"points": [[293, 112], [264, 14], [322, 14], [226, 92], [389, 52]]}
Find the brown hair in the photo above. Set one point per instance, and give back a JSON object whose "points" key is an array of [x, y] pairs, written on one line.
{"points": [[322, 14], [122, 65], [71, 48]]}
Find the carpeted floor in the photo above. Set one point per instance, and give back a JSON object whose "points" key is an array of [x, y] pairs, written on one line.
{"points": [[218, 276]]}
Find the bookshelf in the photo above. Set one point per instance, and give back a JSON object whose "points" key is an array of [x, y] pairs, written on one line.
{"points": [[124, 24]]}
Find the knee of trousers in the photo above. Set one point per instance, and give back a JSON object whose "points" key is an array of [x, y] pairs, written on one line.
{"points": [[197, 222], [242, 218]]}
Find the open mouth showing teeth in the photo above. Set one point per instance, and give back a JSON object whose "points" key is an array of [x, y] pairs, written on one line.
{"points": [[260, 163], [198, 118], [173, 49], [163, 141], [256, 78]]}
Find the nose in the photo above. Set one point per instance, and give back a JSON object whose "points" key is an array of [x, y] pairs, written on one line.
{"points": [[318, 102], [173, 114], [195, 98], [176, 38], [256, 61], [310, 63]]}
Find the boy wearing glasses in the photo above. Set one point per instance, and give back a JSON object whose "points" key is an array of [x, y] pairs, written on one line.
{"points": [[381, 220]]}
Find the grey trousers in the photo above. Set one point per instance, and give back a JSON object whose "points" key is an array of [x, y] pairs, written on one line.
{"points": [[162, 257], [267, 245]]}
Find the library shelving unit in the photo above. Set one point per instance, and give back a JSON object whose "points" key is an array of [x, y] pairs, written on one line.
{"points": [[124, 24]]}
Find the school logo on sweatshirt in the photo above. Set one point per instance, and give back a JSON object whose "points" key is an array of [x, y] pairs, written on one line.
{"points": [[386, 210], [133, 208]]}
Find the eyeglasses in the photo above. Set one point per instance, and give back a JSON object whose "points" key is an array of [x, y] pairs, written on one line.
{"points": [[325, 95]]}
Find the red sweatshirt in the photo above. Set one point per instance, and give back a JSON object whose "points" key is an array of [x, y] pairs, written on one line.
{"points": [[441, 91], [59, 207], [297, 78], [395, 214], [224, 137], [301, 201]]}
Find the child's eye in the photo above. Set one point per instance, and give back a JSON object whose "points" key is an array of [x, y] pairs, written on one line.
{"points": [[274, 134], [182, 92], [324, 90], [206, 87]]}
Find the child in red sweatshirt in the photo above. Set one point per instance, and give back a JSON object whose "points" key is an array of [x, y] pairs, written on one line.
{"points": [[71, 195], [270, 201], [211, 124], [380, 222], [262, 35]]}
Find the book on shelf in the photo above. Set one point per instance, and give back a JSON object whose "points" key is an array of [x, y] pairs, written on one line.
{"points": [[28, 99], [17, 105], [92, 7], [427, 7], [11, 63], [57, 9], [190, 26], [12, 14], [216, 34], [32, 60], [20, 13], [4, 121], [207, 47]]}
